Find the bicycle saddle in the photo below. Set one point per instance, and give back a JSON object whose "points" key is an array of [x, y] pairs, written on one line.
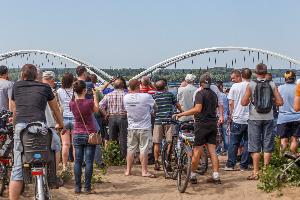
{"points": [[187, 127], [188, 136]]}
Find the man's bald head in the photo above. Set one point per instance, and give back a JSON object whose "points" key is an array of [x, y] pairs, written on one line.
{"points": [[118, 84], [160, 85]]}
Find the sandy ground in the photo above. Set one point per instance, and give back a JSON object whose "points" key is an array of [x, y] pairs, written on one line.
{"points": [[116, 186]]}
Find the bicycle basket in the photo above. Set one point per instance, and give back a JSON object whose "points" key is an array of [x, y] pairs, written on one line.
{"points": [[36, 143]]}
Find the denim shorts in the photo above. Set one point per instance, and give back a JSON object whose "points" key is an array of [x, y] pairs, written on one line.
{"points": [[69, 123], [260, 136], [17, 171]]}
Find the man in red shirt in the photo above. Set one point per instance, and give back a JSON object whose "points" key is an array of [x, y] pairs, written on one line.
{"points": [[146, 85]]}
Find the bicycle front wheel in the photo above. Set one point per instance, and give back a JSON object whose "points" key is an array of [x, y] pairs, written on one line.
{"points": [[184, 171]]}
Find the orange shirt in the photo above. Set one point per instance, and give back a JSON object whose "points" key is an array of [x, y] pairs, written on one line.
{"points": [[297, 90]]}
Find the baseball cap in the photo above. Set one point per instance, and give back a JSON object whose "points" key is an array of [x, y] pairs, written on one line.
{"points": [[290, 76], [206, 80], [49, 75], [3, 70], [190, 77]]}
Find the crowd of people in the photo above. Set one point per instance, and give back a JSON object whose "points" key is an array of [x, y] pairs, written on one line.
{"points": [[245, 116]]}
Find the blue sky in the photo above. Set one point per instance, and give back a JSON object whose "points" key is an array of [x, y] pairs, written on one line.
{"points": [[140, 33]]}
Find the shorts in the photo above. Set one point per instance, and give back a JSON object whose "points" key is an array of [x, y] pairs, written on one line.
{"points": [[260, 136], [166, 130], [139, 138], [69, 123], [288, 129], [205, 133], [17, 171]]}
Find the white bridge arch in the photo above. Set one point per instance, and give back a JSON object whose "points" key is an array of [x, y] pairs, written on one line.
{"points": [[90, 68], [178, 58]]}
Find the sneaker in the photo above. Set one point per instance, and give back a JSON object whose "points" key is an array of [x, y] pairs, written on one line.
{"points": [[228, 168], [193, 179], [101, 166], [156, 166], [242, 169], [77, 191], [215, 181], [58, 183], [87, 192]]}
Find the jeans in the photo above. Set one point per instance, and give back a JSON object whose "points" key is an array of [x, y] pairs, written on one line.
{"points": [[80, 142], [118, 131], [239, 132], [98, 152], [225, 138], [98, 155]]}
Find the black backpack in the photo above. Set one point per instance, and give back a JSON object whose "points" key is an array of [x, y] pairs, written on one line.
{"points": [[263, 96]]}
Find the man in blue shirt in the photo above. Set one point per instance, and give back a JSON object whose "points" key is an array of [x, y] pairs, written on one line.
{"points": [[288, 125]]}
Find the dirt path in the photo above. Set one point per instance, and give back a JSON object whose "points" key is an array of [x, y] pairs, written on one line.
{"points": [[116, 186]]}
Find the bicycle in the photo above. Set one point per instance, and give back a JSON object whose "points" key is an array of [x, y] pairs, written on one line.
{"points": [[38, 159], [6, 143]]}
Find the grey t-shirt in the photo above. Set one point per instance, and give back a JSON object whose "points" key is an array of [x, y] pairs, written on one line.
{"points": [[254, 115], [5, 93]]}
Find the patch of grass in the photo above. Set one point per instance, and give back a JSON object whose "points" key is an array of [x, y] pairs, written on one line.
{"points": [[273, 178]]}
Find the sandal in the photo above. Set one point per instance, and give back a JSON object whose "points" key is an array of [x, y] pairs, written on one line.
{"points": [[253, 177], [149, 175]]}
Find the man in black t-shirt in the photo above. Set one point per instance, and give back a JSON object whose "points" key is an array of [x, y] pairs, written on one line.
{"points": [[29, 100], [205, 127]]}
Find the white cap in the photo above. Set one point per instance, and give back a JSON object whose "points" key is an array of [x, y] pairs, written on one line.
{"points": [[190, 77]]}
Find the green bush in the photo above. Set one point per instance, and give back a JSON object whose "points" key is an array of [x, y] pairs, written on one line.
{"points": [[272, 177], [112, 154]]}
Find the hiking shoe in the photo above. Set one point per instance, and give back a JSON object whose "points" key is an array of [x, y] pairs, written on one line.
{"points": [[156, 166], [228, 168], [215, 181]]}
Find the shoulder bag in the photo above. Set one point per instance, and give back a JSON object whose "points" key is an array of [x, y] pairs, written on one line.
{"points": [[94, 138]]}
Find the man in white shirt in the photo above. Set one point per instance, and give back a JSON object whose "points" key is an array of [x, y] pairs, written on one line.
{"points": [[139, 107], [185, 95], [239, 116]]}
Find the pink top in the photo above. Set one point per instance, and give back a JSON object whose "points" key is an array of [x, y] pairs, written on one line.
{"points": [[86, 109]]}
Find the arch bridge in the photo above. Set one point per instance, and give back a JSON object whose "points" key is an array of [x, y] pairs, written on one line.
{"points": [[101, 75], [168, 62]]}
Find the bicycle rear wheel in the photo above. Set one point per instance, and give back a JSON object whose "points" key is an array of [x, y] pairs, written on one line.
{"points": [[184, 172], [203, 164], [169, 160], [41, 188]]}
